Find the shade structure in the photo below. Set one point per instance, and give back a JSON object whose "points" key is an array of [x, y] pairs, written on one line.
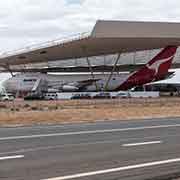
{"points": [[107, 37]]}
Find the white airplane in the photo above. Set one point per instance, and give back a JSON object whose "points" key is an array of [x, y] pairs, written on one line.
{"points": [[155, 69]]}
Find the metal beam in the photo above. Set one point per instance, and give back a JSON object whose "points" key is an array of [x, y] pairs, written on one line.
{"points": [[114, 67], [91, 70], [9, 69]]}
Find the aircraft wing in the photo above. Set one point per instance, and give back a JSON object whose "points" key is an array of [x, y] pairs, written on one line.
{"points": [[78, 85], [85, 83], [107, 37], [82, 84]]}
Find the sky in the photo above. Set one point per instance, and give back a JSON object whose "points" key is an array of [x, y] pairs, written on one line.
{"points": [[27, 22]]}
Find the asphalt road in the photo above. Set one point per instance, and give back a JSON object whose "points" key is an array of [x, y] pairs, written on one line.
{"points": [[130, 150]]}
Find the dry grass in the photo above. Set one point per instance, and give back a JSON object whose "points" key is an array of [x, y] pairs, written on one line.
{"points": [[43, 112]]}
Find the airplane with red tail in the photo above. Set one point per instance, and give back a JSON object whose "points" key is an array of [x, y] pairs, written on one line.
{"points": [[156, 69]]}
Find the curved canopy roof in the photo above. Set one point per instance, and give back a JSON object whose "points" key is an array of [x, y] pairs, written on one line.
{"points": [[107, 37]]}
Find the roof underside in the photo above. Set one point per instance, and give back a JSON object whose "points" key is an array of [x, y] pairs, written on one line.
{"points": [[107, 37], [102, 68]]}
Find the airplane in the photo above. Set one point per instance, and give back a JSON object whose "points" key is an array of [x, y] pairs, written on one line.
{"points": [[156, 69], [170, 84]]}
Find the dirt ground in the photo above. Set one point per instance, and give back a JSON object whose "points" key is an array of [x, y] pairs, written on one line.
{"points": [[22, 112]]}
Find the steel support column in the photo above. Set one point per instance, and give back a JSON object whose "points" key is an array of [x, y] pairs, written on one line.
{"points": [[92, 73], [9, 69], [111, 74]]}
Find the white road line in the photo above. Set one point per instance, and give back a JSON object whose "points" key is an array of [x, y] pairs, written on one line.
{"points": [[11, 157], [75, 145], [142, 143], [88, 132], [106, 171]]}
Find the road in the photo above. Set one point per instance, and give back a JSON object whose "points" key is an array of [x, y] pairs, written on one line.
{"points": [[128, 150]]}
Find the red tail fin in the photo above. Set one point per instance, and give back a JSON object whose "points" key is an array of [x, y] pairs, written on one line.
{"points": [[155, 69], [162, 62]]}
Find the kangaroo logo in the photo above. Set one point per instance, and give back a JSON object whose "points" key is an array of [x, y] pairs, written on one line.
{"points": [[155, 66]]}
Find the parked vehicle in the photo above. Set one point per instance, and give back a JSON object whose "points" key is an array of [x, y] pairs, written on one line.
{"points": [[122, 94], [6, 97], [103, 95], [51, 96], [81, 96], [11, 97], [34, 96]]}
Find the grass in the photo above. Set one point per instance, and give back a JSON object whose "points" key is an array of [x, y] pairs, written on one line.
{"points": [[53, 112]]}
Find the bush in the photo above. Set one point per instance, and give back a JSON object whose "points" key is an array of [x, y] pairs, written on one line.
{"points": [[34, 108], [53, 108], [15, 109], [26, 106], [3, 106]]}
